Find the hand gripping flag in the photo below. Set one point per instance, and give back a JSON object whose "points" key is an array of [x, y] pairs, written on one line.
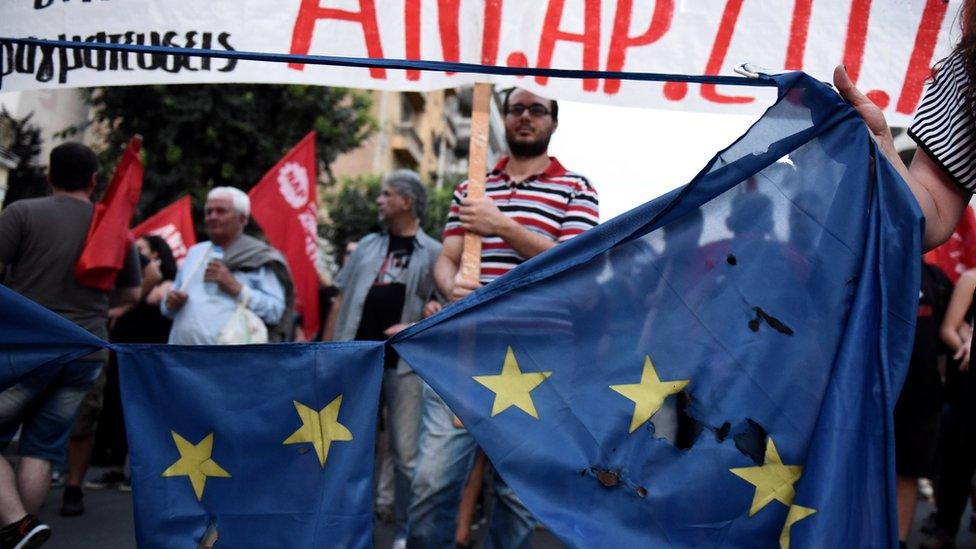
{"points": [[174, 224], [268, 446], [32, 336], [108, 240], [284, 205], [716, 368]]}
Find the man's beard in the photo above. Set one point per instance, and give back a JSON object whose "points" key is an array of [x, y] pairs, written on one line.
{"points": [[531, 149]]}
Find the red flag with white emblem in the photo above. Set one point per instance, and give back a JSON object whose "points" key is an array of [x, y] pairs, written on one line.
{"points": [[957, 254], [174, 224], [284, 204]]}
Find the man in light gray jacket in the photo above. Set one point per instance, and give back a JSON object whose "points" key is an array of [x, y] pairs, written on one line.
{"points": [[386, 285]]}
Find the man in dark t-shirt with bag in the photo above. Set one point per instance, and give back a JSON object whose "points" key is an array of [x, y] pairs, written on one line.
{"points": [[40, 242]]}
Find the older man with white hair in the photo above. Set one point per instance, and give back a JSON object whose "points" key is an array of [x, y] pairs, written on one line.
{"points": [[228, 270]]}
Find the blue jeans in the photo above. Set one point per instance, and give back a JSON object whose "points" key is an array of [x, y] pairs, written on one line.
{"points": [[45, 403], [446, 455], [401, 395]]}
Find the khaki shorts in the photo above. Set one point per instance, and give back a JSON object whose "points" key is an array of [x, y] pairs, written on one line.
{"points": [[90, 409]]}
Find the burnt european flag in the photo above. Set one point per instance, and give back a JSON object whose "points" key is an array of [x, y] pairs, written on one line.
{"points": [[718, 367]]}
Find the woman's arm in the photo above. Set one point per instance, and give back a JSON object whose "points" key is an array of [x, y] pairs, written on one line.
{"points": [[941, 200], [955, 326]]}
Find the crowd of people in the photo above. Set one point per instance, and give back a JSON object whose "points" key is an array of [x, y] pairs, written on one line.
{"points": [[234, 288]]}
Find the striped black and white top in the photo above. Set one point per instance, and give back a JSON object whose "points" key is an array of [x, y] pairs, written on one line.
{"points": [[942, 128], [556, 203]]}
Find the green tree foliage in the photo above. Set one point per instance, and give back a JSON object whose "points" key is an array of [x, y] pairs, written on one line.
{"points": [[28, 179], [200, 136], [352, 209]]}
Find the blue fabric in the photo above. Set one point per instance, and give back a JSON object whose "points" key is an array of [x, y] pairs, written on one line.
{"points": [[781, 283], [277, 495], [32, 336]]}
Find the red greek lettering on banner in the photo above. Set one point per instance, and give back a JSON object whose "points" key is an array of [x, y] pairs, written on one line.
{"points": [[311, 12], [491, 32], [620, 39], [799, 29], [719, 49], [590, 39], [447, 22], [920, 63]]}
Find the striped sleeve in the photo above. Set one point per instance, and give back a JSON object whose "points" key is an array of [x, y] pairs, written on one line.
{"points": [[942, 128], [453, 226], [582, 212]]}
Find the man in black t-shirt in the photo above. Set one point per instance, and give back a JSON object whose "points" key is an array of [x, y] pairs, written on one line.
{"points": [[386, 285], [40, 242]]}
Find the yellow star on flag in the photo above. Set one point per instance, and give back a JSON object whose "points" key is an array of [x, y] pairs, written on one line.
{"points": [[796, 514], [321, 428], [195, 462], [772, 479], [512, 387], [649, 394]]}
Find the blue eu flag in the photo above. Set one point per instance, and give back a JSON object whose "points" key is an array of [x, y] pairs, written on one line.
{"points": [[31, 336], [718, 367], [265, 445]]}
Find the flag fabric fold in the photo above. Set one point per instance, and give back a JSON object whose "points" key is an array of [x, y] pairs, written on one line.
{"points": [[32, 336], [284, 204], [718, 367], [105, 247], [174, 224], [269, 445]]}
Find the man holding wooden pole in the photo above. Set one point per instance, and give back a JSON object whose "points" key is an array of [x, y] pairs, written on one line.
{"points": [[527, 204]]}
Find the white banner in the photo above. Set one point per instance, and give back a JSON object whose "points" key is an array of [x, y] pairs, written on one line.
{"points": [[888, 46]]}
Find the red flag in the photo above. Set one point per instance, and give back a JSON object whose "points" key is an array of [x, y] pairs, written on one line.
{"points": [[284, 204], [108, 235], [174, 224], [958, 253]]}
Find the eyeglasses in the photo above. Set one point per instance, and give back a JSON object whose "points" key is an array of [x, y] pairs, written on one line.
{"points": [[535, 109]]}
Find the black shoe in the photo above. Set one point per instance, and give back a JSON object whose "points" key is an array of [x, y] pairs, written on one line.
{"points": [[108, 480], [26, 533], [72, 503]]}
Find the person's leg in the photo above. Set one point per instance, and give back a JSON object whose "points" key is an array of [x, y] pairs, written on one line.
{"points": [[80, 447], [383, 463], [16, 404], [952, 489], [445, 455], [469, 501], [511, 522], [33, 482], [906, 492], [404, 410], [11, 507]]}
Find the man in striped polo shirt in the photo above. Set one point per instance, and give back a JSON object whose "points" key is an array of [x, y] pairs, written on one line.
{"points": [[531, 204]]}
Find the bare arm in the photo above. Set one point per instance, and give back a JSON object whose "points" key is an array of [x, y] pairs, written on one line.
{"points": [[328, 332], [447, 276], [446, 265], [954, 325], [941, 201], [125, 297], [482, 216]]}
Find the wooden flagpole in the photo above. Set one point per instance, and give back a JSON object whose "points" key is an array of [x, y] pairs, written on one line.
{"points": [[477, 166]]}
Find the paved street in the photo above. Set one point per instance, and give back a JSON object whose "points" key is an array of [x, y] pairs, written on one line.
{"points": [[107, 522]]}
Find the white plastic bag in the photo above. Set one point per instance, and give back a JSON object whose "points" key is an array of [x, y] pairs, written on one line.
{"points": [[243, 327]]}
